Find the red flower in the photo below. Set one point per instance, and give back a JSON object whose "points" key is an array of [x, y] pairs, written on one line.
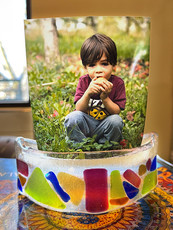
{"points": [[124, 142], [55, 113]]}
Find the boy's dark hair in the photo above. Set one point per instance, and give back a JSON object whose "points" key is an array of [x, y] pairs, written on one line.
{"points": [[94, 47]]}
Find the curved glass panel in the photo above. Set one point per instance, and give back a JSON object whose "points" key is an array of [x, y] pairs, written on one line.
{"points": [[97, 183]]}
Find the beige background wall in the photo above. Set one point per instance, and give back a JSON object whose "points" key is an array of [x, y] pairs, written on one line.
{"points": [[160, 96], [16, 122]]}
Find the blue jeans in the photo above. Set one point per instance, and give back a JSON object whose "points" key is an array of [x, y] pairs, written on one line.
{"points": [[80, 125]]}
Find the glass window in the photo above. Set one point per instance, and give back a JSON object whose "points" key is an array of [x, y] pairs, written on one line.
{"points": [[13, 73]]}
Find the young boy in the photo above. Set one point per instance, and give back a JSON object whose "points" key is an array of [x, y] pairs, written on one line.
{"points": [[100, 96]]}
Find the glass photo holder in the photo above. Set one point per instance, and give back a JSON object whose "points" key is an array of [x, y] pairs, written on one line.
{"points": [[99, 182]]}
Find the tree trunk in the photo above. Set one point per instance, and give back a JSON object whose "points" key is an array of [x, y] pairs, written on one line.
{"points": [[50, 36], [128, 23]]}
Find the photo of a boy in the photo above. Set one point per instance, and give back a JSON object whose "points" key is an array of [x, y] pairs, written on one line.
{"points": [[100, 96]]}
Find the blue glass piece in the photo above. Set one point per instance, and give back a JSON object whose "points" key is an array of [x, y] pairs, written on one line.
{"points": [[130, 190], [154, 164], [19, 185], [53, 179]]}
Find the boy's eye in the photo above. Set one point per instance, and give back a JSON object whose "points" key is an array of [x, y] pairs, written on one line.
{"points": [[91, 65], [105, 63]]}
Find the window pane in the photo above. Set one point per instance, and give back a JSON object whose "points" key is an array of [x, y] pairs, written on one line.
{"points": [[13, 74]]}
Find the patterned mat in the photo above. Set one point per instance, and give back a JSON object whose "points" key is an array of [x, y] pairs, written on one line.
{"points": [[155, 211]]}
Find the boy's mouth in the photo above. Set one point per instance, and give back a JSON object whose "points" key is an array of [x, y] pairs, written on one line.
{"points": [[98, 76]]}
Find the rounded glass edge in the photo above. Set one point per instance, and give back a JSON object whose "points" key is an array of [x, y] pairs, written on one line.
{"points": [[30, 145]]}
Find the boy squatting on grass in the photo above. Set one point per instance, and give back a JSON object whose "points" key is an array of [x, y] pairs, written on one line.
{"points": [[100, 96]]}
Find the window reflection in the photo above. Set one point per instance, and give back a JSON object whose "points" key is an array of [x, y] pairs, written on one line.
{"points": [[13, 74]]}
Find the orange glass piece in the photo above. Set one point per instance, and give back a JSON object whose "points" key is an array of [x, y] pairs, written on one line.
{"points": [[73, 185], [22, 179], [142, 170], [120, 201]]}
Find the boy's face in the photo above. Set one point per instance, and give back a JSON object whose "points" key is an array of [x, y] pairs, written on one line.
{"points": [[101, 68]]}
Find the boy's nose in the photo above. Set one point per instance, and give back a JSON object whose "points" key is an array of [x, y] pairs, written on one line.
{"points": [[98, 69]]}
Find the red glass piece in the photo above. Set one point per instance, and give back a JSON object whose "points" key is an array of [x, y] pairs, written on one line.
{"points": [[132, 177], [22, 167], [96, 190], [148, 164]]}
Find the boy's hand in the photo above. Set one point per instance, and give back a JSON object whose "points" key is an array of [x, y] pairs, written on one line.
{"points": [[94, 87]]}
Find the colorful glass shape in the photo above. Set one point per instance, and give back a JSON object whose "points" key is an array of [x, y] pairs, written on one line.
{"points": [[119, 201], [130, 190], [142, 170], [132, 177], [22, 179], [154, 164], [148, 164], [53, 179], [19, 185], [96, 188], [22, 167], [150, 182], [39, 189], [116, 186], [73, 185]]}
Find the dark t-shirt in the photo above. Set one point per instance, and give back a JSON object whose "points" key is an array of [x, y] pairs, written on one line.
{"points": [[97, 110]]}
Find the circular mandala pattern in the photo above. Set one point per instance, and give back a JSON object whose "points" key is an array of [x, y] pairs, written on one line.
{"points": [[88, 220], [44, 218]]}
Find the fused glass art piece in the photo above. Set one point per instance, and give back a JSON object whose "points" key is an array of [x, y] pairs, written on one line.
{"points": [[97, 183]]}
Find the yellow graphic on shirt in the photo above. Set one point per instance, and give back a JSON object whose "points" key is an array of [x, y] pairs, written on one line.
{"points": [[97, 109], [97, 113]]}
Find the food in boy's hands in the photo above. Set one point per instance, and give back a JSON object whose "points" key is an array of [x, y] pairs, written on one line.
{"points": [[100, 80]]}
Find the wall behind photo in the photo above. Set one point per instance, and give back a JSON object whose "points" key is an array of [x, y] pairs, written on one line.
{"points": [[159, 116]]}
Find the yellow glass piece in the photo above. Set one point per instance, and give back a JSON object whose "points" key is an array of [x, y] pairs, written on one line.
{"points": [[39, 189], [150, 182], [73, 185], [117, 189]]}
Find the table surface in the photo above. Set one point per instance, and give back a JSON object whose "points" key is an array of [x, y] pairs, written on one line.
{"points": [[154, 211]]}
